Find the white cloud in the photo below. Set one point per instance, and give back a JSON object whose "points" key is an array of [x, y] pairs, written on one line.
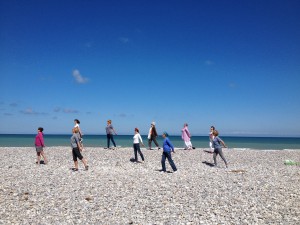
{"points": [[79, 78]]}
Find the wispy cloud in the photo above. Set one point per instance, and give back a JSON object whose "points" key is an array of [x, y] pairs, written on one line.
{"points": [[209, 62], [232, 85], [14, 104], [88, 44], [79, 78], [70, 111], [30, 111], [124, 40], [57, 109]]}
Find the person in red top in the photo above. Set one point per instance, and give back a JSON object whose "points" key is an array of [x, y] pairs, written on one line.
{"points": [[39, 146]]}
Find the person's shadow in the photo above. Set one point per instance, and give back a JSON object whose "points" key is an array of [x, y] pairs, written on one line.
{"points": [[208, 164]]}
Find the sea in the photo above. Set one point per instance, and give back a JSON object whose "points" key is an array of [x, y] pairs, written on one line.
{"points": [[241, 143]]}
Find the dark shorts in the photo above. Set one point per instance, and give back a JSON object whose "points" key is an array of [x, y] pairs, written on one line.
{"points": [[38, 148], [76, 154]]}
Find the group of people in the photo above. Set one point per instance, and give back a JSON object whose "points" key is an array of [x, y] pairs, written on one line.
{"points": [[216, 144]]}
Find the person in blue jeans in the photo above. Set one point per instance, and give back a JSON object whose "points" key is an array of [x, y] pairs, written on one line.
{"points": [[110, 134], [167, 148]]}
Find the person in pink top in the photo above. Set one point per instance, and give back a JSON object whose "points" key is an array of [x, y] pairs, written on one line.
{"points": [[186, 137], [39, 146]]}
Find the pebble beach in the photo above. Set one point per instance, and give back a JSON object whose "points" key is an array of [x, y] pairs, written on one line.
{"points": [[257, 188]]}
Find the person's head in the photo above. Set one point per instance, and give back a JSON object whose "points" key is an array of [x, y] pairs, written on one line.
{"points": [[215, 133], [185, 125], [76, 121], [152, 124], [212, 128], [75, 130], [165, 134], [136, 130], [40, 129], [108, 121]]}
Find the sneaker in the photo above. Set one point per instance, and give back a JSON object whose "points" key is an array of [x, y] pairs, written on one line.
{"points": [[74, 169], [162, 171], [175, 171]]}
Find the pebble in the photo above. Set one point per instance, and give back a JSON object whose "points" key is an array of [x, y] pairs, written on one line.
{"points": [[257, 188]]}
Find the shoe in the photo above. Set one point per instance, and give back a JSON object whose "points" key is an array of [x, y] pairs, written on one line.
{"points": [[158, 148], [74, 169], [175, 171], [87, 168], [162, 171]]}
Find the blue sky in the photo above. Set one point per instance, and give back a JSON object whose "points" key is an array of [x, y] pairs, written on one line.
{"points": [[232, 64]]}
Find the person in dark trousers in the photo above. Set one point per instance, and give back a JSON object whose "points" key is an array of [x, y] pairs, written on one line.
{"points": [[152, 136], [167, 148], [76, 150], [110, 134], [137, 139], [216, 143]]}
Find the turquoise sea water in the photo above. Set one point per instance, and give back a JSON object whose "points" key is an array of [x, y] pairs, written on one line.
{"points": [[267, 143]]}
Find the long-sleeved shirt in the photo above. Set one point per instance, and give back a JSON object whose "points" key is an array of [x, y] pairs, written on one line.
{"points": [[137, 139], [39, 140], [167, 145]]}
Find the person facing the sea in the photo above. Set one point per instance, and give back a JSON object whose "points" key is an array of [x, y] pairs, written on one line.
{"points": [[39, 145], [216, 143], [167, 148], [110, 133], [137, 139], [76, 149], [152, 135], [186, 137]]}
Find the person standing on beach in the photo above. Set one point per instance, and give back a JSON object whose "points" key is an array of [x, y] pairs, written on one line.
{"points": [[167, 148], [186, 137], [216, 143], [39, 145], [136, 145], [152, 135], [76, 149], [77, 122], [110, 133]]}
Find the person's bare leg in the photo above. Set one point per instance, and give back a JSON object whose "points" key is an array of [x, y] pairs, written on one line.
{"points": [[44, 156], [76, 164], [38, 158]]}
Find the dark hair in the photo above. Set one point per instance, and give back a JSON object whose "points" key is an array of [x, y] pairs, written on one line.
{"points": [[137, 130], [40, 129], [77, 121], [212, 127]]}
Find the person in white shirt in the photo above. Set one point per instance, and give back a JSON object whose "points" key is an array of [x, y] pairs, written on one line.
{"points": [[136, 145]]}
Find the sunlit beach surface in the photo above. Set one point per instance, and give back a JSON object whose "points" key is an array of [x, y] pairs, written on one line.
{"points": [[257, 188]]}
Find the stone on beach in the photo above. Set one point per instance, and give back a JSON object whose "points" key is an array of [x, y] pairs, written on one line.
{"points": [[257, 188]]}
